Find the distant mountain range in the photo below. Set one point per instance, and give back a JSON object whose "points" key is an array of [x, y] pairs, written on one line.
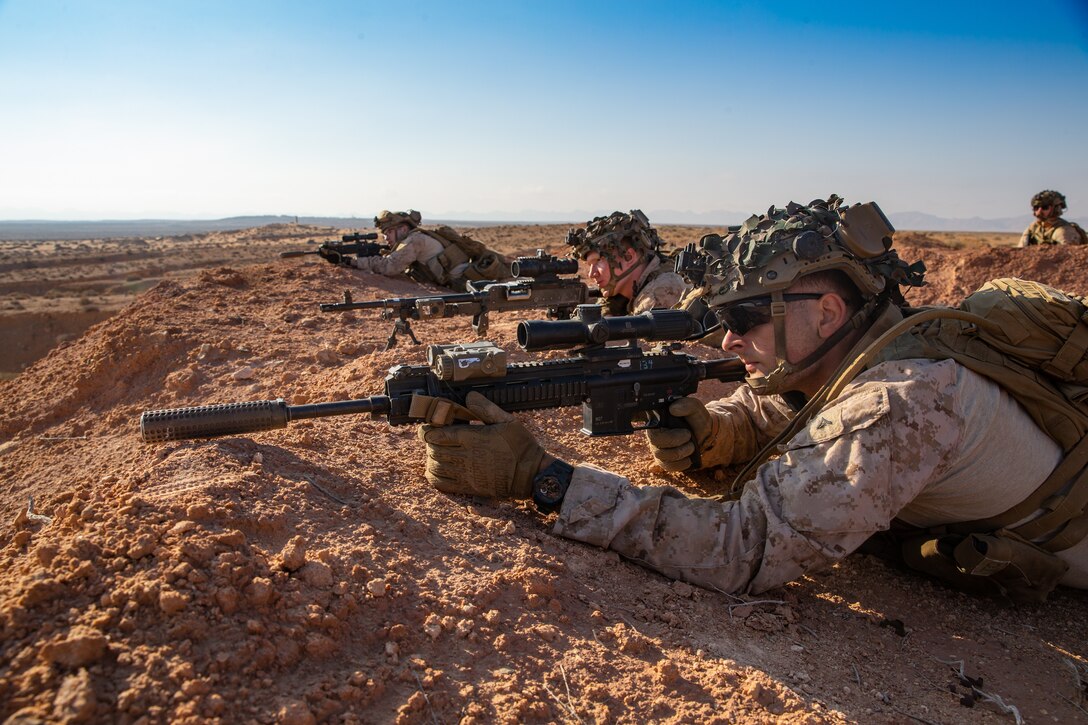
{"points": [[920, 221], [31, 230]]}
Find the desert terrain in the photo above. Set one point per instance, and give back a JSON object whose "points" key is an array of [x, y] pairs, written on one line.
{"points": [[312, 575]]}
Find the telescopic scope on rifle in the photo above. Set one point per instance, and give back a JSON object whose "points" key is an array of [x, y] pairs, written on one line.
{"points": [[588, 326]]}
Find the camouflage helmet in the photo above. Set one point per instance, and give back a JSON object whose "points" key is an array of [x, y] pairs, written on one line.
{"points": [[769, 253], [772, 251], [388, 219], [607, 234], [1049, 197]]}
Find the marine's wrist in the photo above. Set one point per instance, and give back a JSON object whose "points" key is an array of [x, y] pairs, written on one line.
{"points": [[545, 461], [550, 485]]}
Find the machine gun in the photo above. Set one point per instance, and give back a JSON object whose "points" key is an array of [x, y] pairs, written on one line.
{"points": [[621, 388], [355, 244], [536, 286]]}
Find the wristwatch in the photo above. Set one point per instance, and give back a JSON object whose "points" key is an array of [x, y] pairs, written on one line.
{"points": [[550, 486]]}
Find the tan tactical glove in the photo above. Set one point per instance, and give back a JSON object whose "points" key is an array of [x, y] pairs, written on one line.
{"points": [[498, 459], [695, 446]]}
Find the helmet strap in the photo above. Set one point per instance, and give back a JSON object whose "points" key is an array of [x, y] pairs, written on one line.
{"points": [[773, 381], [615, 279]]}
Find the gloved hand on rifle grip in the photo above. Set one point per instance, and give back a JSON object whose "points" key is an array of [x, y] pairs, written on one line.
{"points": [[498, 459], [673, 448], [331, 256]]}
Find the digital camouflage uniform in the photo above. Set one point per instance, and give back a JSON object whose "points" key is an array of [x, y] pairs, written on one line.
{"points": [[418, 246], [1052, 231], [917, 442], [657, 286], [923, 441]]}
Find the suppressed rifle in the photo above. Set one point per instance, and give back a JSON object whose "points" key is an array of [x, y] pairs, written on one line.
{"points": [[350, 245], [621, 388], [536, 286]]}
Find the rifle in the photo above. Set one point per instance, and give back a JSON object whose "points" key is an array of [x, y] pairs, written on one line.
{"points": [[337, 252], [621, 388], [536, 285]]}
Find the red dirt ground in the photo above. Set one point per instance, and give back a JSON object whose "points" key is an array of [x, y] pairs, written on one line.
{"points": [[312, 575]]}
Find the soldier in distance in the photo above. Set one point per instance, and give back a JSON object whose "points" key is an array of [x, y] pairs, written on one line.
{"points": [[438, 256], [1049, 227]]}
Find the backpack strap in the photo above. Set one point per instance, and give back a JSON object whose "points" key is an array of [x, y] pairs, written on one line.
{"points": [[1071, 353], [1072, 533]]}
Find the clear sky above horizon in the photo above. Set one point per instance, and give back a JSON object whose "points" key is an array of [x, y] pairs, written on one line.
{"points": [[201, 109]]}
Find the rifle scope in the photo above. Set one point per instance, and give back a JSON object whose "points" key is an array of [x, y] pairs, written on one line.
{"points": [[589, 327], [359, 236], [542, 265]]}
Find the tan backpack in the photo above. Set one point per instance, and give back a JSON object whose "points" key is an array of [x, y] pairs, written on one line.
{"points": [[463, 259]]}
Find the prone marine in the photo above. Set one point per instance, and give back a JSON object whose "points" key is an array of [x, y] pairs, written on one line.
{"points": [[908, 447], [438, 256]]}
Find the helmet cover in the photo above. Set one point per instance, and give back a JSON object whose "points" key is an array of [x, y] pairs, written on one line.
{"points": [[607, 236], [1049, 197], [770, 252], [388, 219]]}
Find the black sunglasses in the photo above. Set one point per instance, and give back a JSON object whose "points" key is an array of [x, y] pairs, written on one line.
{"points": [[740, 317]]}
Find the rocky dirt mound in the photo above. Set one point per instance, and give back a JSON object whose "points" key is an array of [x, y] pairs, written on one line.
{"points": [[312, 575], [50, 292]]}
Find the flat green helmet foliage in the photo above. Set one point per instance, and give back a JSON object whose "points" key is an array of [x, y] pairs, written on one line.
{"points": [[606, 235], [770, 252], [1048, 196]]}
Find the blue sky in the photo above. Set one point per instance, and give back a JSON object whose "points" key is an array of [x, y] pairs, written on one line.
{"points": [[525, 110]]}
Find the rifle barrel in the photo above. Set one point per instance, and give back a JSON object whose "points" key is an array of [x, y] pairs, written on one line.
{"points": [[368, 305], [402, 303], [209, 421]]}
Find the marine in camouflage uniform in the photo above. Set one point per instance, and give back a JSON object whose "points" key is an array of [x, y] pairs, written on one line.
{"points": [[1049, 227], [625, 259], [428, 256], [917, 442]]}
